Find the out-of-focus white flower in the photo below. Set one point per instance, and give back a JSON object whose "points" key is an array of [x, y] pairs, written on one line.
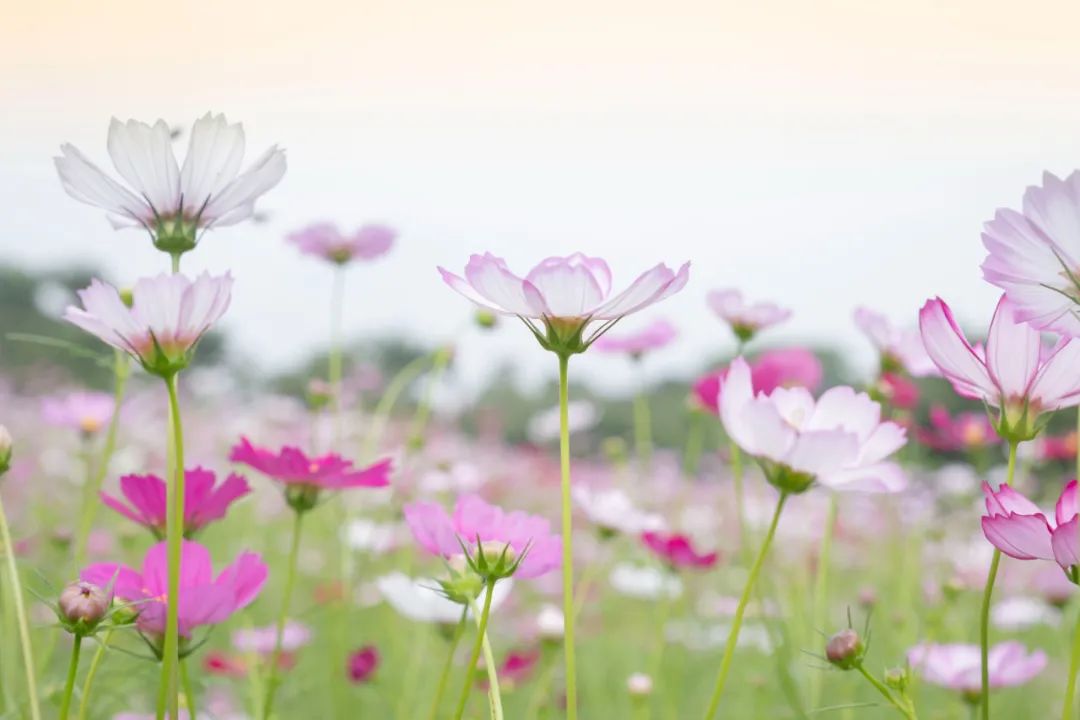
{"points": [[550, 623], [581, 416], [460, 477], [639, 685], [262, 639], [957, 479], [613, 510], [367, 536], [1021, 613], [642, 581], [419, 598]]}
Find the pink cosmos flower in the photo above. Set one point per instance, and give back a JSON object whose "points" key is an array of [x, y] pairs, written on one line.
{"points": [[263, 640], [964, 431], [900, 349], [474, 520], [168, 316], [1017, 527], [958, 666], [292, 467], [203, 503], [745, 319], [204, 599], [897, 390], [208, 191], [776, 368], [515, 669], [87, 412], [362, 664], [1034, 256], [325, 240], [570, 295], [651, 337], [1012, 373], [1057, 447], [839, 440], [677, 551]]}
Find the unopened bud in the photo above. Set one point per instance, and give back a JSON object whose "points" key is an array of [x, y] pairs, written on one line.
{"points": [[639, 685], [844, 649], [897, 679], [83, 605], [868, 597], [127, 296], [486, 319], [551, 624]]}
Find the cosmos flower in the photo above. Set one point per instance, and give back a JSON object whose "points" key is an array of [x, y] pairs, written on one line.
{"points": [[644, 582], [325, 240], [87, 412], [570, 295], [654, 336], [1034, 255], [677, 551], [838, 440], [898, 348], [362, 664], [965, 431], [1017, 527], [1013, 373], [173, 203], [770, 370], [957, 666], [612, 511], [168, 316], [745, 319], [203, 503], [262, 640], [204, 599]]}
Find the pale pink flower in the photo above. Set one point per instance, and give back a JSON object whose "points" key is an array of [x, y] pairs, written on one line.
{"points": [[769, 370], [262, 640], [87, 412], [1012, 373], [838, 440], [651, 337], [1034, 256], [1017, 527], [168, 316], [173, 202], [899, 348], [745, 319], [325, 240], [958, 666], [570, 295]]}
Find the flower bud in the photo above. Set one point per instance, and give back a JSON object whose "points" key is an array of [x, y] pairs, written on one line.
{"points": [[127, 296], [83, 605], [897, 679], [495, 559], [485, 319], [844, 649], [639, 685], [5, 449], [461, 584]]}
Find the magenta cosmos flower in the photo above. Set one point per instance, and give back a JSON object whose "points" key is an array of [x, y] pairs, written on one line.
{"points": [[204, 599], [958, 666], [362, 664], [745, 319], [1034, 255], [570, 295], [635, 344], [1017, 527], [87, 412], [838, 440], [325, 240], [475, 521], [174, 203], [168, 316], [898, 348], [305, 477], [794, 367], [1011, 373], [203, 503], [677, 551]]}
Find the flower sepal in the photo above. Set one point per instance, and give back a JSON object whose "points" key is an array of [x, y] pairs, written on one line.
{"points": [[301, 497], [1018, 422], [461, 584], [785, 479], [175, 234]]}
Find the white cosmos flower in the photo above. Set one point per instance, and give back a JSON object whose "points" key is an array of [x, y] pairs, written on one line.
{"points": [[419, 598], [644, 582], [612, 509]]}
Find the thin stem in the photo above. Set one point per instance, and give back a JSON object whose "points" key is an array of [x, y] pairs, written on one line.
{"points": [[661, 644], [379, 417], [736, 624], [88, 683], [905, 711], [481, 631], [542, 688], [290, 580], [69, 686], [643, 431], [20, 615], [455, 640], [821, 590], [494, 697], [1068, 708], [333, 370], [695, 441], [189, 692], [423, 410], [175, 262], [984, 613], [567, 538], [169, 690]]}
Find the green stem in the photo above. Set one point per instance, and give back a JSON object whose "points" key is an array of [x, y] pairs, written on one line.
{"points": [[334, 361], [175, 262], [695, 442], [481, 632], [88, 683], [90, 500], [661, 644], [901, 707], [643, 431], [736, 625], [189, 692], [494, 697], [423, 410], [540, 692], [455, 640], [290, 580], [1068, 708], [20, 615], [69, 686], [821, 590], [984, 613], [389, 398], [168, 691], [567, 538]]}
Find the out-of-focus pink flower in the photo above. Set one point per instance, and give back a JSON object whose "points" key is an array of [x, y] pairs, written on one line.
{"points": [[838, 440], [325, 240], [362, 664], [222, 664], [899, 349], [1017, 527], [965, 431], [677, 550], [898, 391], [1012, 373], [958, 666], [262, 640], [651, 337], [168, 316], [292, 466], [204, 599], [1034, 256], [570, 295], [515, 669], [1057, 447], [203, 503], [87, 412], [745, 319], [208, 191], [789, 367], [475, 521]]}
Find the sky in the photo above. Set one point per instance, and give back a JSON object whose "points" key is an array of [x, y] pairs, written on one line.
{"points": [[822, 154]]}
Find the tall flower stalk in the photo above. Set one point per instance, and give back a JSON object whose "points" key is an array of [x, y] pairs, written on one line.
{"points": [[474, 656], [444, 676], [169, 689], [279, 633], [567, 538]]}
